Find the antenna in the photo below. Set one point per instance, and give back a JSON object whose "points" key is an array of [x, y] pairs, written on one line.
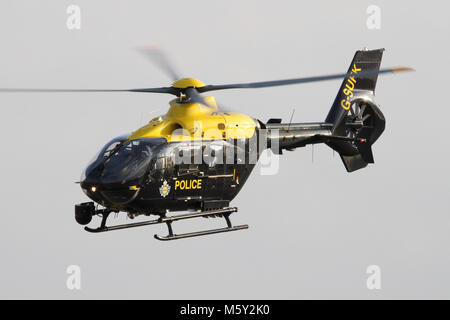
{"points": [[290, 121]]}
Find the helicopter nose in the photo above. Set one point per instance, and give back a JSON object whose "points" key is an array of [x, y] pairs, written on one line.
{"points": [[109, 195], [115, 179], [91, 189]]}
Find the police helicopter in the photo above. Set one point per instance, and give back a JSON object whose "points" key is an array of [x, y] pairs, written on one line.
{"points": [[196, 157]]}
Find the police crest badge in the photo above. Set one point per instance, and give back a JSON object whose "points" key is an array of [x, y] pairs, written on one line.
{"points": [[164, 189]]}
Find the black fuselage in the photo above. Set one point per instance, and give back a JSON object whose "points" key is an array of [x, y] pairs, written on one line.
{"points": [[171, 176], [153, 176]]}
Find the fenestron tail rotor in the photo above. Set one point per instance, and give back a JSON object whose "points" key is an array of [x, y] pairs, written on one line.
{"points": [[355, 118]]}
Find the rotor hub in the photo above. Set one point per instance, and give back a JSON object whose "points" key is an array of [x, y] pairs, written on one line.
{"points": [[187, 83]]}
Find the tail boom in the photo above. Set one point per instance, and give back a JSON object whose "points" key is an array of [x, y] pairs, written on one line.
{"points": [[353, 123]]}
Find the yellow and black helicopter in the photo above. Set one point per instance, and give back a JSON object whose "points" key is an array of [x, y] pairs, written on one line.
{"points": [[196, 158]]}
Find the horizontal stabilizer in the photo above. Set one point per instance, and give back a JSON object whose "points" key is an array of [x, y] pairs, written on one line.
{"points": [[353, 163]]}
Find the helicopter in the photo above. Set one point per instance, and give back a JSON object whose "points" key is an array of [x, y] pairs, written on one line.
{"points": [[196, 157]]}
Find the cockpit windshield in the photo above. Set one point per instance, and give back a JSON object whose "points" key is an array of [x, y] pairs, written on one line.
{"points": [[121, 161], [128, 162], [103, 154]]}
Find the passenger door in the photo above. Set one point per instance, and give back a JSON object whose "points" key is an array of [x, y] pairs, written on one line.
{"points": [[188, 180]]}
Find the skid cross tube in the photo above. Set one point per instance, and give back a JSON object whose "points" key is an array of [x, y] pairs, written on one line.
{"points": [[225, 213]]}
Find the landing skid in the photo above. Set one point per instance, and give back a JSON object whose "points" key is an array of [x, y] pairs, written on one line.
{"points": [[225, 213]]}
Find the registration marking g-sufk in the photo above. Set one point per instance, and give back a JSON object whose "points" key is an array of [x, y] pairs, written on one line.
{"points": [[348, 89]]}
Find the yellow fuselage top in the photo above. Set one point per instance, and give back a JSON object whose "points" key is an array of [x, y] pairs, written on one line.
{"points": [[195, 121]]}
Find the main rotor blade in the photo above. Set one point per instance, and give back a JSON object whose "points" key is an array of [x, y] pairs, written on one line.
{"points": [[285, 82], [160, 59], [169, 90], [195, 97]]}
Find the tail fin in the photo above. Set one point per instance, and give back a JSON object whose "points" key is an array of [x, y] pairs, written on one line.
{"points": [[356, 118], [363, 61]]}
